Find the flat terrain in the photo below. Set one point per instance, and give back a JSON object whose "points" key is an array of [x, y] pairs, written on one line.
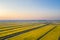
{"points": [[30, 31]]}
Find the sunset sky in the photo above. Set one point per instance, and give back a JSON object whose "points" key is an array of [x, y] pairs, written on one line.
{"points": [[29, 9]]}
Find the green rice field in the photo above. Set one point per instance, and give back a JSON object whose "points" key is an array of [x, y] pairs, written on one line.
{"points": [[29, 31]]}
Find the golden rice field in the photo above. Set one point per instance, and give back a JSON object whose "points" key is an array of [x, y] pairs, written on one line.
{"points": [[29, 31]]}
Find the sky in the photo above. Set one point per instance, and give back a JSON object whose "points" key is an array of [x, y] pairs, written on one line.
{"points": [[29, 9]]}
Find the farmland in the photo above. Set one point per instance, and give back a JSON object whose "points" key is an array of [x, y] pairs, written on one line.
{"points": [[29, 31]]}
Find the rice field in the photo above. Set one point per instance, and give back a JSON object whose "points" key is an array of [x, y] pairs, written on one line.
{"points": [[29, 31]]}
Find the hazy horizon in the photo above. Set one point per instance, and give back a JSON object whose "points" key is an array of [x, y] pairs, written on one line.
{"points": [[29, 9]]}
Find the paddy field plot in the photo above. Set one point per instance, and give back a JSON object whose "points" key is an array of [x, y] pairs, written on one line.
{"points": [[29, 31]]}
